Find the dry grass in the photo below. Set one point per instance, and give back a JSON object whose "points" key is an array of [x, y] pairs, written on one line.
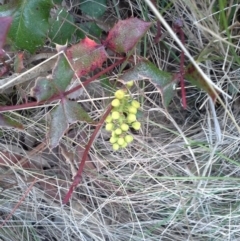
{"points": [[179, 180]]}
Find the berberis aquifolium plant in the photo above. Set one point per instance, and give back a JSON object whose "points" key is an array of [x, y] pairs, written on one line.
{"points": [[79, 60]]}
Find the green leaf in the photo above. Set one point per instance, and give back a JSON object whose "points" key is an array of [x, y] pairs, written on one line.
{"points": [[66, 113], [62, 73], [94, 8], [30, 24], [87, 29], [61, 77], [9, 122], [162, 80], [79, 35], [62, 27], [91, 28], [43, 89]]}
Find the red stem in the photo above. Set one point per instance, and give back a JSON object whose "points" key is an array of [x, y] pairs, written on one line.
{"points": [[58, 96], [159, 32], [182, 58], [178, 29], [77, 177]]}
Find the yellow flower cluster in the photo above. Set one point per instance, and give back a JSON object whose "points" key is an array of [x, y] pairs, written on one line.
{"points": [[121, 118]]}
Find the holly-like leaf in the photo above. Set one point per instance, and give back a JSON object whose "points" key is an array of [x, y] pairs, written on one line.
{"points": [[125, 34], [46, 87], [30, 24], [62, 73], [86, 56], [62, 27], [91, 28], [43, 89], [193, 76], [160, 79], [68, 112], [9, 122], [5, 23], [88, 29], [94, 8]]}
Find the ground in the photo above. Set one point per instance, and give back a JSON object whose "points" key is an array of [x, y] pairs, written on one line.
{"points": [[178, 180]]}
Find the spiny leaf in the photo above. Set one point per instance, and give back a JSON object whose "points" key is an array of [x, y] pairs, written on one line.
{"points": [[66, 113], [46, 87], [77, 93], [91, 28], [94, 8], [125, 34], [30, 24], [9, 122], [86, 56], [160, 79], [193, 76], [4, 26], [62, 27], [62, 73]]}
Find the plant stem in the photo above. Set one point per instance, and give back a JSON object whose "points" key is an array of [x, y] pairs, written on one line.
{"points": [[58, 96], [178, 29], [77, 177]]}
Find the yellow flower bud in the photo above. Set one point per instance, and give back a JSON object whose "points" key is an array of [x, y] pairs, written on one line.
{"points": [[135, 104], [136, 125], [119, 94]]}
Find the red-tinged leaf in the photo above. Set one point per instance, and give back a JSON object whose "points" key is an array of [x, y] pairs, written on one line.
{"points": [[9, 122], [162, 80], [125, 34], [66, 113], [18, 63], [193, 76], [86, 56], [5, 23], [61, 77]]}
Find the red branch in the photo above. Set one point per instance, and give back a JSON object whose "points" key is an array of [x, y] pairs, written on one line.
{"points": [[77, 177], [57, 97], [178, 29]]}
